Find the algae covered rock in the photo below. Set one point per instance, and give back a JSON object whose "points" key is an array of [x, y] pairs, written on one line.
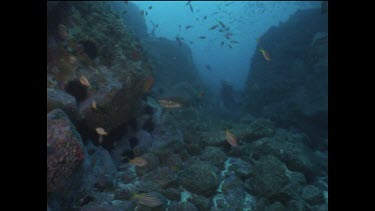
{"points": [[200, 178], [65, 151]]}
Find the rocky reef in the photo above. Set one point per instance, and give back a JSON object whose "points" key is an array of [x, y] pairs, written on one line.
{"points": [[187, 163], [292, 88]]}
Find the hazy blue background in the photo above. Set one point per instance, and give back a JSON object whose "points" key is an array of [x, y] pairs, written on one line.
{"points": [[247, 21]]}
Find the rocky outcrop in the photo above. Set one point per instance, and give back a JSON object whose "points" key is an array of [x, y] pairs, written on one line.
{"points": [[292, 88]]}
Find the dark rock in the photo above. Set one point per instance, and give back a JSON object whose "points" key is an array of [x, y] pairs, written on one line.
{"points": [[296, 205], [162, 177], [230, 183], [60, 99], [277, 206], [259, 128], [241, 168], [214, 155], [200, 201], [201, 178], [273, 180], [312, 195], [290, 149], [171, 193], [184, 206], [292, 89], [65, 151]]}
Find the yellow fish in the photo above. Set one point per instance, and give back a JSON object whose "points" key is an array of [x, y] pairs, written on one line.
{"points": [[232, 140], [138, 161], [93, 104], [101, 131], [266, 55], [84, 81], [169, 104]]}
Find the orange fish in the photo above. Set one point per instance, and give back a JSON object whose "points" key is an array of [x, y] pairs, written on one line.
{"points": [[266, 55], [93, 104], [148, 83], [138, 161], [232, 140], [84, 81]]}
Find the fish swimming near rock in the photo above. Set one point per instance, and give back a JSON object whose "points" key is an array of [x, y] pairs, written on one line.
{"points": [[202, 37], [138, 161], [188, 27], [101, 133], [147, 199], [169, 103], [265, 54], [232, 140], [84, 81], [93, 104]]}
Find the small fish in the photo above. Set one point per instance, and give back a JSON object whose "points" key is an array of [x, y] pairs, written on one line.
{"points": [[169, 103], [266, 55], [150, 7], [84, 81], [93, 104], [220, 30], [202, 37], [142, 12], [205, 17], [191, 8], [233, 41], [188, 27], [187, 3], [191, 42], [208, 67], [124, 12], [228, 34], [101, 131], [222, 24], [138, 161], [148, 84], [232, 140], [227, 29], [157, 25], [146, 13], [230, 46], [213, 27], [148, 199], [222, 43]]}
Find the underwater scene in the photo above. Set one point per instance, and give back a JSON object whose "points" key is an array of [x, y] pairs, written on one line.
{"points": [[187, 105]]}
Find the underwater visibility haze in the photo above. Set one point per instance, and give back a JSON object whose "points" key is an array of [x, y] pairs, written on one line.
{"points": [[187, 105]]}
